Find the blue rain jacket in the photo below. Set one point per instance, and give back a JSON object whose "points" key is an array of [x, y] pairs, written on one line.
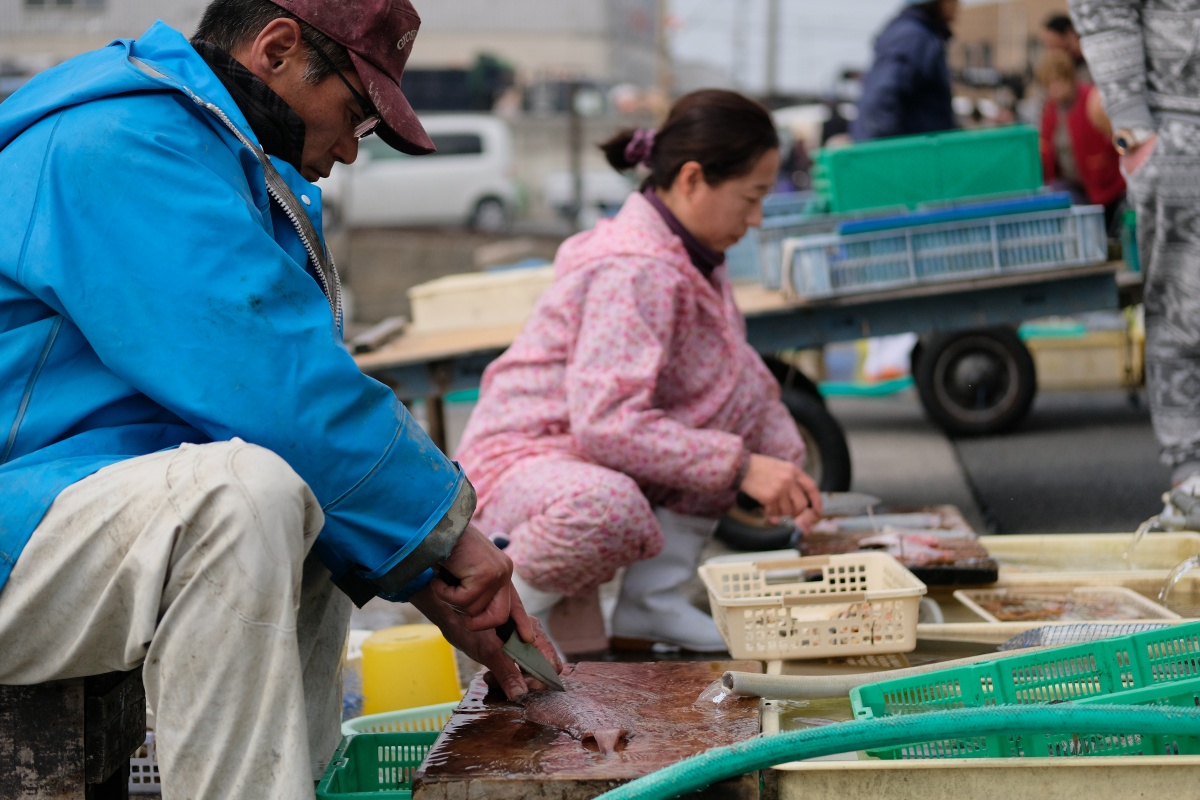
{"points": [[907, 89], [152, 293]]}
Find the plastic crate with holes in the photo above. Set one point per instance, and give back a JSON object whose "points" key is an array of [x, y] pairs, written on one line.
{"points": [[1160, 667], [380, 753], [838, 264], [815, 607], [375, 765]]}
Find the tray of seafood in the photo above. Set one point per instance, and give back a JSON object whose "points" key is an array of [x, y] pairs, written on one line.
{"points": [[935, 543], [1055, 604]]}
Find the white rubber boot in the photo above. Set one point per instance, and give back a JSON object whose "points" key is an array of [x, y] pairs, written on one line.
{"points": [[651, 608], [537, 603], [575, 625]]}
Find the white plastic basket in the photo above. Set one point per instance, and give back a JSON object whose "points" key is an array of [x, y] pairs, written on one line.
{"points": [[815, 607], [143, 769], [833, 264]]}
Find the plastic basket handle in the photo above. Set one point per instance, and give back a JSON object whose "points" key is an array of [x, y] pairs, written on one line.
{"points": [[825, 599], [779, 564]]}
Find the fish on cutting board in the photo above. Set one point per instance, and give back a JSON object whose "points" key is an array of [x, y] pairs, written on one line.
{"points": [[607, 721]]}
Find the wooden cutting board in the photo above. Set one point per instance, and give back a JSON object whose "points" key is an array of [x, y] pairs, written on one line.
{"points": [[489, 750]]}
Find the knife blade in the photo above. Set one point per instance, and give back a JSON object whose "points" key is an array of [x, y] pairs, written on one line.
{"points": [[528, 657]]}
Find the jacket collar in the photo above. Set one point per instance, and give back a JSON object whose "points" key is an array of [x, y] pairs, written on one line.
{"points": [[279, 129]]}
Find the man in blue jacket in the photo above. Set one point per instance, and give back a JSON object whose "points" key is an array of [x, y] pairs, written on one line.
{"points": [[194, 475], [907, 89]]}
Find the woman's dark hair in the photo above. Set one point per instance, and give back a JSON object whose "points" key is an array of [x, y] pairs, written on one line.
{"points": [[228, 24], [725, 132]]}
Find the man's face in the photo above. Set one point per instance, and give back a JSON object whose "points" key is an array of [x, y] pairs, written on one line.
{"points": [[949, 10], [330, 113], [279, 56]]}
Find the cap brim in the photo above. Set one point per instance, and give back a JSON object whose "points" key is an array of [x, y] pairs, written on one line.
{"points": [[400, 127]]}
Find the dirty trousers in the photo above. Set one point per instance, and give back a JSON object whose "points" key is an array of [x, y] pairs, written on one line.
{"points": [[192, 562], [571, 524]]}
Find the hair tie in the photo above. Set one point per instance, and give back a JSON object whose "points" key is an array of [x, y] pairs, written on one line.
{"points": [[639, 147]]}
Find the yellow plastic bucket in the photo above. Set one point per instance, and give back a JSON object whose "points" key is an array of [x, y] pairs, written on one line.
{"points": [[406, 667]]}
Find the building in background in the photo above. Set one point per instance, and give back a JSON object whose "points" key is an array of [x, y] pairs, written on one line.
{"points": [[604, 42], [994, 48]]}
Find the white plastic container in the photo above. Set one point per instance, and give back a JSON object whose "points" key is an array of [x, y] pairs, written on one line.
{"points": [[815, 607], [478, 299]]}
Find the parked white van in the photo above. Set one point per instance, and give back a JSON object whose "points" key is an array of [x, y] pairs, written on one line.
{"points": [[469, 180]]}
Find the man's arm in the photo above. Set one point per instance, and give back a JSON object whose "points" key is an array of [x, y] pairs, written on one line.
{"points": [[146, 236], [1112, 37]]}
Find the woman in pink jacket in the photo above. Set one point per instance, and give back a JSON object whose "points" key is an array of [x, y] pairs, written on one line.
{"points": [[618, 427]]}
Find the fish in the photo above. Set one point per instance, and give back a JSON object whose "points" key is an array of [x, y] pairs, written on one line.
{"points": [[583, 717]]}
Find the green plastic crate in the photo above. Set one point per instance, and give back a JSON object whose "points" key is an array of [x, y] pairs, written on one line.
{"points": [[422, 718], [374, 765], [1153, 667], [930, 168]]}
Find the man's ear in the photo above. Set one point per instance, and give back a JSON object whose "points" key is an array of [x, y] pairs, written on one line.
{"points": [[278, 48]]}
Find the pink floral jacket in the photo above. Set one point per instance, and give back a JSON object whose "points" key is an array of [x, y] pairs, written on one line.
{"points": [[634, 361]]}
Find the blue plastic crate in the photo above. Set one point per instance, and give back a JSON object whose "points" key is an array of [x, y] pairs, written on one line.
{"points": [[834, 264]]}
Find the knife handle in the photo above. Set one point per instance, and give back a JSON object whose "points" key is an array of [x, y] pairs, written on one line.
{"points": [[506, 630]]}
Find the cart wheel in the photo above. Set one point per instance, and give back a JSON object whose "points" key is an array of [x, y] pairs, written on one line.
{"points": [[975, 382], [828, 455], [824, 439]]}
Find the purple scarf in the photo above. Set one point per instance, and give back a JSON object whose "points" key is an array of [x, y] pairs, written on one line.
{"points": [[703, 257]]}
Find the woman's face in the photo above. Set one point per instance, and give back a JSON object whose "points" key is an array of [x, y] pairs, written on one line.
{"points": [[720, 215], [1061, 90]]}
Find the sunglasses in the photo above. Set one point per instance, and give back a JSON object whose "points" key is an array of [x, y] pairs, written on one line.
{"points": [[370, 117]]}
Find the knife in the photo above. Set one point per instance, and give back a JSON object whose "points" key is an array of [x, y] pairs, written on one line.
{"points": [[528, 657]]}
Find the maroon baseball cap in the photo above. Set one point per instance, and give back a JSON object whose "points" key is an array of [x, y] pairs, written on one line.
{"points": [[379, 35]]}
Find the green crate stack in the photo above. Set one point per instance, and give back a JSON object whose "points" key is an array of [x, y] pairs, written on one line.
{"points": [[929, 168], [1160, 667], [375, 765]]}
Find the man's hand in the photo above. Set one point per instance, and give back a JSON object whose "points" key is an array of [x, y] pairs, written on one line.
{"points": [[484, 646], [783, 489], [476, 581]]}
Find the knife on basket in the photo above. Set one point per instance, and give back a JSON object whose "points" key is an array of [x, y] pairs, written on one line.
{"points": [[528, 657]]}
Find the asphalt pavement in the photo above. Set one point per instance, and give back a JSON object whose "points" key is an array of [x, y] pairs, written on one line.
{"points": [[1082, 461]]}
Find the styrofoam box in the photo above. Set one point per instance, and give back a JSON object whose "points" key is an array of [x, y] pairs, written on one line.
{"points": [[854, 776], [1098, 359], [478, 299]]}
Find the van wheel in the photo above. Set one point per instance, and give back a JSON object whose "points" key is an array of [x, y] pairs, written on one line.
{"points": [[490, 216]]}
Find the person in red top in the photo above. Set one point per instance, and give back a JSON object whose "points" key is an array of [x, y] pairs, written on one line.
{"points": [[1076, 137]]}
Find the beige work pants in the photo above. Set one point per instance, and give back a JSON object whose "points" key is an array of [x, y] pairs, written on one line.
{"points": [[192, 562]]}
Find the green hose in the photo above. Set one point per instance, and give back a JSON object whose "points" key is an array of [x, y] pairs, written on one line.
{"points": [[695, 773]]}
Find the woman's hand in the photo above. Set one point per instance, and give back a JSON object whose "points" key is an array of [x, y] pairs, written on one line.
{"points": [[783, 489], [1132, 161]]}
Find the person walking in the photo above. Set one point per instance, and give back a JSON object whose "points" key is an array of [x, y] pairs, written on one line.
{"points": [[197, 478], [1145, 58], [907, 89]]}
